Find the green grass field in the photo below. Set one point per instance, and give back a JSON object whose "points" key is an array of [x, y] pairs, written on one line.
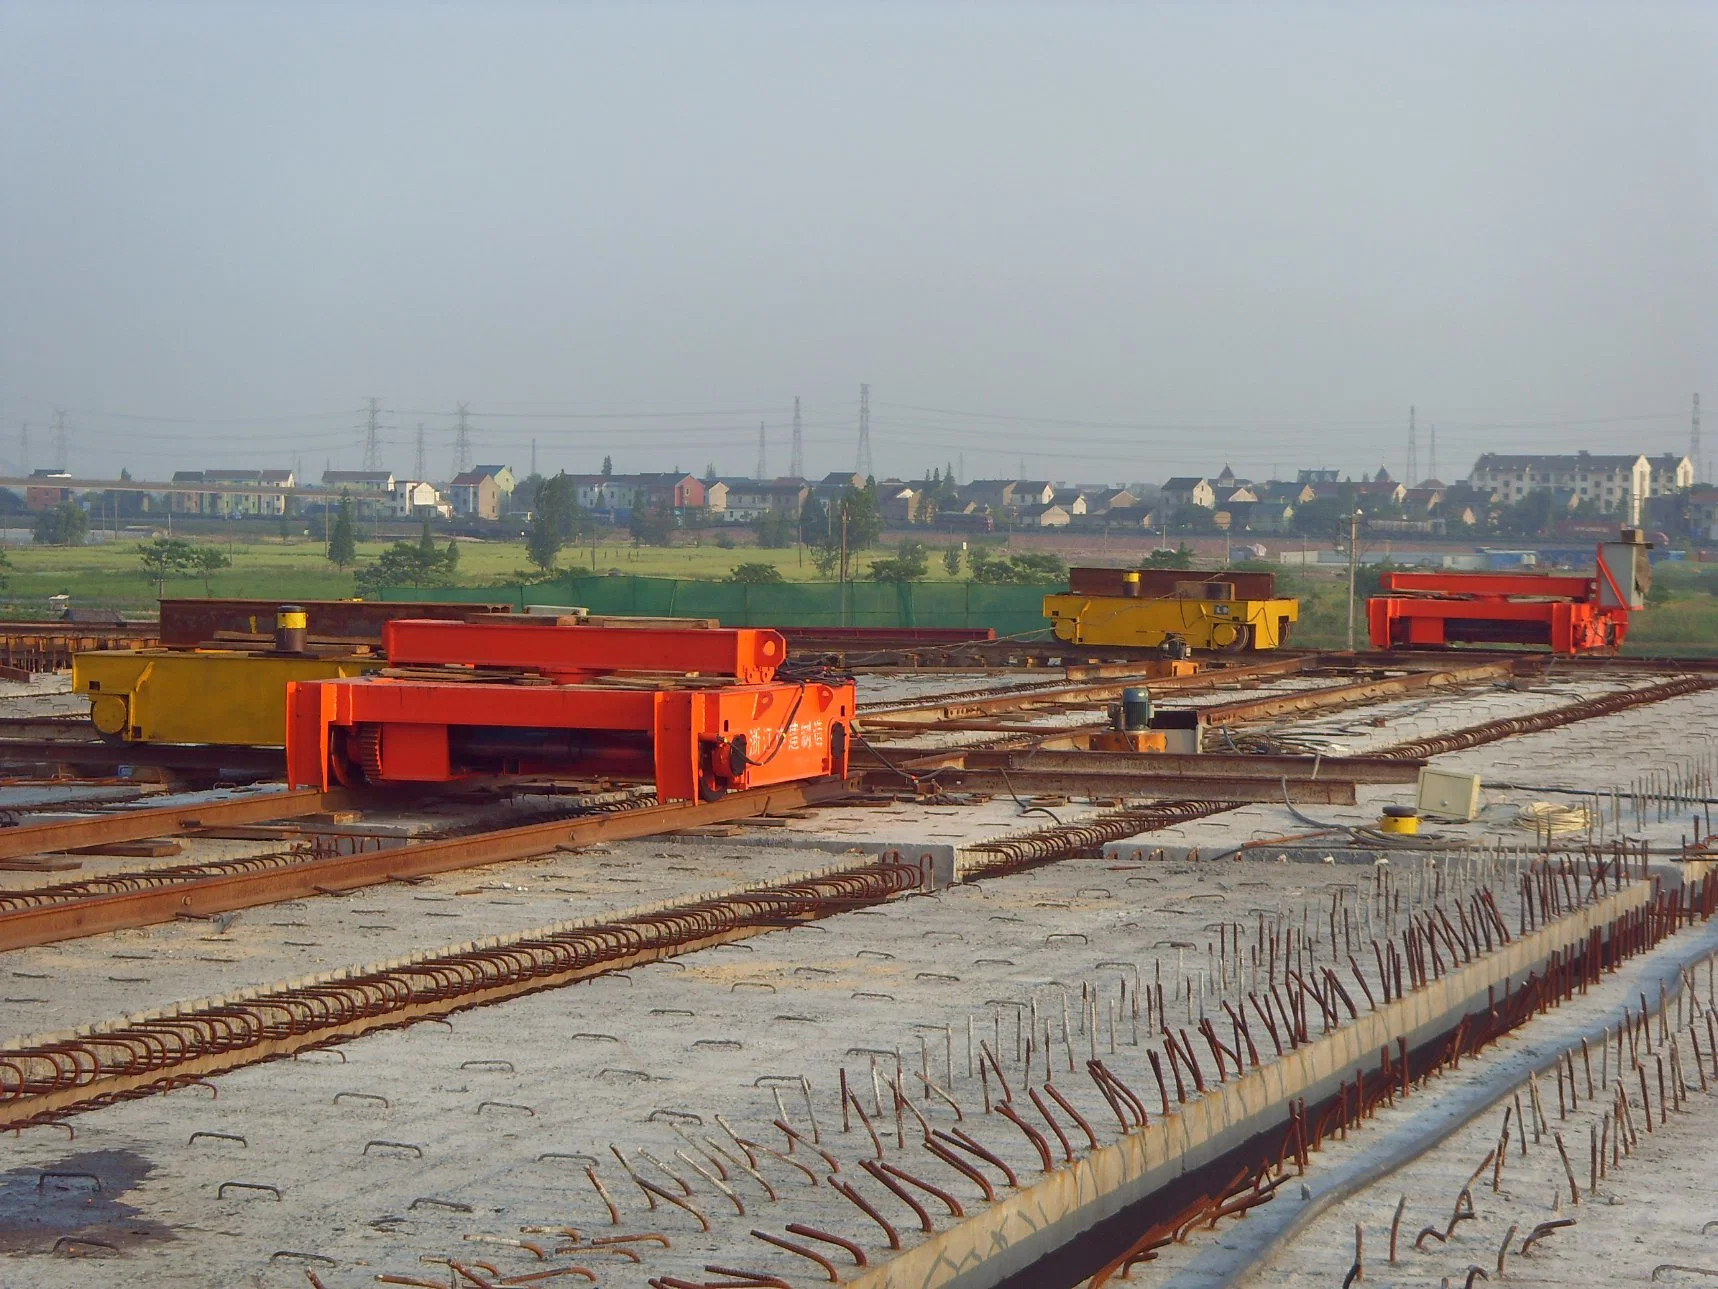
{"points": [[108, 577]]}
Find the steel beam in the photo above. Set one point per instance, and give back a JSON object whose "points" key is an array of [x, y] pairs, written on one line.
{"points": [[1235, 789], [204, 897], [1163, 765]]}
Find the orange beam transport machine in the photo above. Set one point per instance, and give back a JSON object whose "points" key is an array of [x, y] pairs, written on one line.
{"points": [[1571, 615], [699, 712]]}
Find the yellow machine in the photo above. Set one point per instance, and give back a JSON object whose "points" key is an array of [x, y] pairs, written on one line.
{"points": [[1222, 611], [217, 680], [227, 697]]}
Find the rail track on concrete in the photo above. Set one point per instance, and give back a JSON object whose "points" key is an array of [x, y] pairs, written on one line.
{"points": [[1063, 840], [1187, 788], [45, 915]]}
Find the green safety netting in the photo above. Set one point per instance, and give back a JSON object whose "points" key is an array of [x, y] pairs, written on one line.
{"points": [[1009, 610]]}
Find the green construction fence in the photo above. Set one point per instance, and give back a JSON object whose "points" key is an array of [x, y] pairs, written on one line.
{"points": [[1009, 610]]}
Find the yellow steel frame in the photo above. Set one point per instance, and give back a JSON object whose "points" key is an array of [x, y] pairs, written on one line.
{"points": [[232, 698], [1145, 623]]}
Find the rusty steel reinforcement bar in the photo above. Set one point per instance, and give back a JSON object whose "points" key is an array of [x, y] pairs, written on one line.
{"points": [[1224, 1151], [54, 1079], [1364, 691], [164, 821], [206, 896], [1061, 841], [1586, 709]]}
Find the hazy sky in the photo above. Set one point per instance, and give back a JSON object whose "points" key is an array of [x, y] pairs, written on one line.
{"points": [[1117, 242]]}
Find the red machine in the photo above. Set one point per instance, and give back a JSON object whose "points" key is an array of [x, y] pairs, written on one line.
{"points": [[697, 712], [1571, 615]]}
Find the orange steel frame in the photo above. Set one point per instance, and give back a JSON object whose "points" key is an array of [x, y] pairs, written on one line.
{"points": [[1438, 609], [697, 712]]}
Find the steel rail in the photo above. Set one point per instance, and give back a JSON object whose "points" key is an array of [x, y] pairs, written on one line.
{"points": [[1364, 691], [201, 897], [59, 750], [981, 702], [50, 1080], [164, 821]]}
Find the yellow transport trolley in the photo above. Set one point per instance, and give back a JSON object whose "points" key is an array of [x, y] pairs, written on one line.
{"points": [[1222, 611]]}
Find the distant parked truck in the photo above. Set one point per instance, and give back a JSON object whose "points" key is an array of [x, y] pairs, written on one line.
{"points": [[1220, 610]]}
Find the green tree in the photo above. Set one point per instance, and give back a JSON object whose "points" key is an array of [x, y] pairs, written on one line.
{"points": [[1163, 557], [206, 561], [343, 540], [607, 467], [1029, 568], [775, 532], [864, 520], [910, 564], [163, 558], [549, 520], [1323, 517], [66, 524], [450, 557], [826, 559], [426, 541], [651, 524], [951, 561], [404, 564], [755, 573]]}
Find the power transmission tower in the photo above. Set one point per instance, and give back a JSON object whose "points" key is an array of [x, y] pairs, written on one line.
{"points": [[418, 460], [24, 448], [1434, 452], [796, 460], [1694, 442], [862, 466], [462, 443], [533, 456], [763, 459], [60, 455], [1413, 458], [372, 440]]}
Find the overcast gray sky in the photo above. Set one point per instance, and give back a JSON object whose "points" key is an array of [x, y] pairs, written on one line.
{"points": [[1115, 242]]}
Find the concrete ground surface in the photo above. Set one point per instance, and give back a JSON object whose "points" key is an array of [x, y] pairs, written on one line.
{"points": [[469, 1140]]}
